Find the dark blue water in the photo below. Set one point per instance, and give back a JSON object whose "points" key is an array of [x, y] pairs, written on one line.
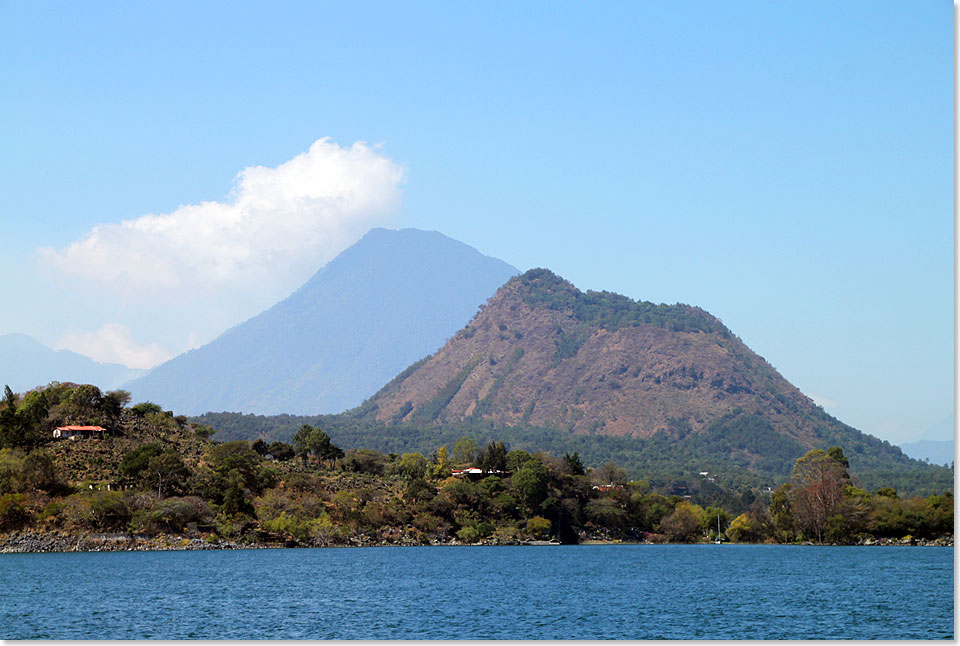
{"points": [[585, 592]]}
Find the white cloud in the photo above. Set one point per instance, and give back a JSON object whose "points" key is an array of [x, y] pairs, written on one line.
{"points": [[113, 343], [823, 402], [278, 225]]}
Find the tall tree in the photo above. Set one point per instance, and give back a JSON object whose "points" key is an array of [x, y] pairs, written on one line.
{"points": [[818, 491], [465, 450]]}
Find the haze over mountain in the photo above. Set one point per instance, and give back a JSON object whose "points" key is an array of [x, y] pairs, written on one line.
{"points": [[26, 363], [386, 301], [935, 451]]}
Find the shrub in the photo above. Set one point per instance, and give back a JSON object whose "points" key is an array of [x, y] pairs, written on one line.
{"points": [[13, 515], [468, 535], [538, 527]]}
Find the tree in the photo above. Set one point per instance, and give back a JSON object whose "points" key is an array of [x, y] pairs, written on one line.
{"points": [[113, 403], [836, 453], [743, 530], [235, 501], [412, 466], [531, 483], [517, 458], [538, 527], [167, 474], [309, 440], [574, 464], [229, 456], [144, 408], [465, 450], [136, 460], [493, 458], [281, 451], [39, 472], [13, 433], [683, 525], [260, 447], [31, 415], [781, 514], [818, 491], [609, 473], [85, 404], [441, 463]]}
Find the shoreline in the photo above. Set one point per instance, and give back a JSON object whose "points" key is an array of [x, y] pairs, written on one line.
{"points": [[27, 542]]}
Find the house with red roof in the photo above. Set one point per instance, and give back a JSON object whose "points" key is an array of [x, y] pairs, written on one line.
{"points": [[74, 432]]}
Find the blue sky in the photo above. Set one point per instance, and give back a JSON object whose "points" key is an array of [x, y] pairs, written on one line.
{"points": [[787, 166]]}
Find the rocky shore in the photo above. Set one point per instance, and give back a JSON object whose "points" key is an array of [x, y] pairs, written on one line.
{"points": [[32, 542], [21, 542]]}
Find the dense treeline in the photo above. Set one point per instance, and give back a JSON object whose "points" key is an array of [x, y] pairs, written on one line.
{"points": [[158, 473], [670, 460]]}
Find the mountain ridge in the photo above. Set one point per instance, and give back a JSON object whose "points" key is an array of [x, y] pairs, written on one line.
{"points": [[27, 363]]}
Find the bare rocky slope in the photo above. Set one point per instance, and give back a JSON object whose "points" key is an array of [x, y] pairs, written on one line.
{"points": [[543, 355]]}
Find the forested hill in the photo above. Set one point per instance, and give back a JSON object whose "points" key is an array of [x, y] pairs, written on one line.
{"points": [[667, 391], [383, 303]]}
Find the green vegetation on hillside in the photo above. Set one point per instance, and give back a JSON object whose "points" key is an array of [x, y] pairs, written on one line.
{"points": [[155, 473], [541, 287], [740, 450]]}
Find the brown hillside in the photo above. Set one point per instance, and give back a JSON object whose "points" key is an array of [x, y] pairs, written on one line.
{"points": [[542, 353]]}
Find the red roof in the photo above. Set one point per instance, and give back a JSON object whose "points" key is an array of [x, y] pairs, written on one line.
{"points": [[80, 428]]}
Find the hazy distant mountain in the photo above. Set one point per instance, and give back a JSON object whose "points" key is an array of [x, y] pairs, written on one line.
{"points": [[937, 452], [388, 300], [26, 363]]}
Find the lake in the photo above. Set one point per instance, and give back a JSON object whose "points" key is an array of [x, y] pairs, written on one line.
{"points": [[563, 592]]}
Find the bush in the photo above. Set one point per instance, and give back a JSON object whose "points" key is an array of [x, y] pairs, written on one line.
{"points": [[109, 510], [468, 535], [538, 527], [172, 515], [13, 515]]}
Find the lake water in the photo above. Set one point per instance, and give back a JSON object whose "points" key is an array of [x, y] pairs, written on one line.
{"points": [[569, 592]]}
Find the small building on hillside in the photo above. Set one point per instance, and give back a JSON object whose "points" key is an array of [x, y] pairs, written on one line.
{"points": [[74, 432], [474, 473]]}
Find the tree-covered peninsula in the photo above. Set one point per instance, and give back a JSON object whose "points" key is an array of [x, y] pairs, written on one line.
{"points": [[151, 479]]}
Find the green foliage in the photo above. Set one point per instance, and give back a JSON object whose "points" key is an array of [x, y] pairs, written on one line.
{"points": [[108, 510], [411, 466], [611, 311], [493, 457], [531, 483], [13, 514], [171, 515], [684, 524], [145, 408], [136, 460], [574, 464], [281, 451], [235, 501], [39, 472], [539, 527], [236, 456], [309, 440], [167, 474], [465, 450]]}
